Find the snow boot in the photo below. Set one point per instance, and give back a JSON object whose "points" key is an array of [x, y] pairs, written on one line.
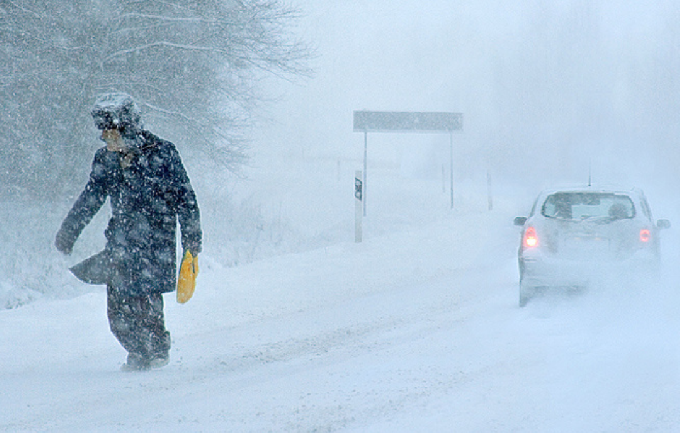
{"points": [[135, 362], [159, 361]]}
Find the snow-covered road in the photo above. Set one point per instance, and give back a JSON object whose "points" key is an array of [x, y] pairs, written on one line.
{"points": [[415, 331]]}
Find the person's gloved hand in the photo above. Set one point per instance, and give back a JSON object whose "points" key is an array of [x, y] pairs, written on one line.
{"points": [[186, 282], [63, 243]]}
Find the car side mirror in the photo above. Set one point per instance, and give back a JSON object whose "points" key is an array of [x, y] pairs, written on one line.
{"points": [[663, 224], [519, 221]]}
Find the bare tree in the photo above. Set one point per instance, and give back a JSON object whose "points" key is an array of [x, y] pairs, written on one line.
{"points": [[192, 65]]}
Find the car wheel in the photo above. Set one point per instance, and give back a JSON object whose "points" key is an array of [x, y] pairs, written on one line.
{"points": [[524, 294]]}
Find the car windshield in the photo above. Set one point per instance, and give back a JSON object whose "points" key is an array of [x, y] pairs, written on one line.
{"points": [[587, 205]]}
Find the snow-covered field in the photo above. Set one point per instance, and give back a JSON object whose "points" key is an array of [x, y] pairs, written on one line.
{"points": [[415, 329]]}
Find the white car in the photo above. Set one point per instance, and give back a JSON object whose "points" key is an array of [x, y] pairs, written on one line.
{"points": [[573, 236]]}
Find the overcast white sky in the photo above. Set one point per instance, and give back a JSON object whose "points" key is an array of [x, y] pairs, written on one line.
{"points": [[550, 86]]}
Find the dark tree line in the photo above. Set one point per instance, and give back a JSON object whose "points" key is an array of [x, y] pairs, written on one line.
{"points": [[191, 65]]}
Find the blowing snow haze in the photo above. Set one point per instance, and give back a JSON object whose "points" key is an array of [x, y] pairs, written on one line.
{"points": [[546, 88], [294, 326]]}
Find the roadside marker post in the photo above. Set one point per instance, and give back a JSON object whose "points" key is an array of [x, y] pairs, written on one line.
{"points": [[358, 207]]}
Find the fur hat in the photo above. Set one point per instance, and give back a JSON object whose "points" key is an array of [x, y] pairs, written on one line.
{"points": [[117, 111]]}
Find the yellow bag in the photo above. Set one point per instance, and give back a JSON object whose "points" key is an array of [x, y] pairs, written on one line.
{"points": [[186, 283]]}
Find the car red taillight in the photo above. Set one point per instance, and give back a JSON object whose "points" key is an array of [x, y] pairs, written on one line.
{"points": [[530, 238], [645, 235]]}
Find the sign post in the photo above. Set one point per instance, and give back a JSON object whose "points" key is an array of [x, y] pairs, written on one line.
{"points": [[393, 121], [363, 199]]}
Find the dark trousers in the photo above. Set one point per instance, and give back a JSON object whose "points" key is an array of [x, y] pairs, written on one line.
{"points": [[138, 323]]}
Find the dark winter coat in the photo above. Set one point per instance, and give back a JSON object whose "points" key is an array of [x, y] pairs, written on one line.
{"points": [[147, 198]]}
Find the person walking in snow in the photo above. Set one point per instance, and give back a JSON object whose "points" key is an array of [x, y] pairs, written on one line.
{"points": [[149, 191]]}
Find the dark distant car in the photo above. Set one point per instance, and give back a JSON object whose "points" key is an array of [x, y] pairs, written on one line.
{"points": [[573, 236]]}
